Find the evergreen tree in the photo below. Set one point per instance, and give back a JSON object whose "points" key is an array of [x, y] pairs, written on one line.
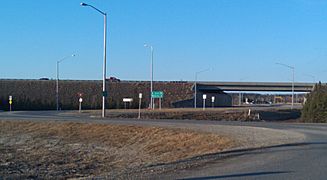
{"points": [[315, 109]]}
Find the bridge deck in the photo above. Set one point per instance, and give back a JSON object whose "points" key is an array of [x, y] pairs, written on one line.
{"points": [[254, 86]]}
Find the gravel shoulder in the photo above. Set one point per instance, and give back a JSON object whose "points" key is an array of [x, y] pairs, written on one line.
{"points": [[245, 138], [253, 137]]}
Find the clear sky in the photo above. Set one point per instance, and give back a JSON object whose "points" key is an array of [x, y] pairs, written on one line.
{"points": [[238, 39]]}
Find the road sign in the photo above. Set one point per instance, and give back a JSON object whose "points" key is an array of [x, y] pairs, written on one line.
{"points": [[204, 96], [140, 95], [80, 100], [10, 98], [213, 99], [128, 100], [157, 94], [10, 102]]}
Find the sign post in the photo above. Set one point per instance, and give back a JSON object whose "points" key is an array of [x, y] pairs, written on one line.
{"points": [[80, 104], [10, 102], [157, 95], [204, 101], [127, 100], [212, 101], [140, 102]]}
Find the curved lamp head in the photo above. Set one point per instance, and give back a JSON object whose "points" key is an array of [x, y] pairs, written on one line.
{"points": [[148, 46], [84, 4]]}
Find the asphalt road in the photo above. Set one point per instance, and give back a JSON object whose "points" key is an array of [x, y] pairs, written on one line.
{"points": [[304, 160]]}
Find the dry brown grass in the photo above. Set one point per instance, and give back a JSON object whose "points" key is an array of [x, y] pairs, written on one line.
{"points": [[34, 150], [216, 114]]}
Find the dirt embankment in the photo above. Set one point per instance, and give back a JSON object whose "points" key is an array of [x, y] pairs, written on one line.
{"points": [[67, 150]]}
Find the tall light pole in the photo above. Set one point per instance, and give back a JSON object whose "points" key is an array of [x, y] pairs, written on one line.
{"points": [[57, 81], [292, 68], [104, 92], [240, 94], [195, 84], [151, 72]]}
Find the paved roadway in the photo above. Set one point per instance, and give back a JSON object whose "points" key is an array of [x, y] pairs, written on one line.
{"points": [[307, 160]]}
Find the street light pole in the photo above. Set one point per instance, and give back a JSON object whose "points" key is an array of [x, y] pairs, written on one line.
{"points": [[151, 89], [293, 69], [195, 89], [57, 80], [195, 85], [240, 98], [292, 87], [57, 86], [104, 92]]}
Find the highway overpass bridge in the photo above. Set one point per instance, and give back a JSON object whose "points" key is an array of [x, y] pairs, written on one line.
{"points": [[253, 86]]}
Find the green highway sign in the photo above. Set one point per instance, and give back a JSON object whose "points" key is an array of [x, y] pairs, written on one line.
{"points": [[105, 93], [157, 94]]}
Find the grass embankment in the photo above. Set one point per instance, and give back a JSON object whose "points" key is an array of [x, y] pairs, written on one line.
{"points": [[65, 150], [215, 114]]}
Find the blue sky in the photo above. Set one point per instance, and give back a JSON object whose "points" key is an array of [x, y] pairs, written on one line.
{"points": [[238, 39]]}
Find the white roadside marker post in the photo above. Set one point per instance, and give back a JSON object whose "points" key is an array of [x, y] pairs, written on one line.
{"points": [[204, 101], [80, 104], [10, 102], [140, 102]]}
